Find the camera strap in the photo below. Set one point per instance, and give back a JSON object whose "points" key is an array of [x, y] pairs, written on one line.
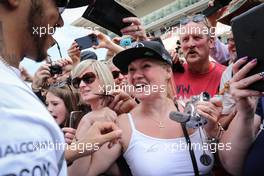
{"points": [[188, 141]]}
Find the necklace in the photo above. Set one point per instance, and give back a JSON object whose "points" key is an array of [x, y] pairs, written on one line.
{"points": [[161, 124]]}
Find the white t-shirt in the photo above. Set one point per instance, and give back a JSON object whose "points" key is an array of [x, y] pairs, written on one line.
{"points": [[31, 143]]}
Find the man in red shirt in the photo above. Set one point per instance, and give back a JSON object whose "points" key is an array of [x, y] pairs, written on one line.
{"points": [[200, 74]]}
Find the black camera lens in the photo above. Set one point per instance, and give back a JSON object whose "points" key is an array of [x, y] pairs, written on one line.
{"points": [[55, 69], [206, 96]]}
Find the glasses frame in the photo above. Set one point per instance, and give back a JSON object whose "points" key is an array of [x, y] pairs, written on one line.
{"points": [[196, 19], [87, 78]]}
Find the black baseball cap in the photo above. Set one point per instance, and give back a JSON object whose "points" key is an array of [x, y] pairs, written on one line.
{"points": [[73, 3], [143, 49], [88, 55]]}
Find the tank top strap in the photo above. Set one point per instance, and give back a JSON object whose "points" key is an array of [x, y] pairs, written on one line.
{"points": [[131, 121]]}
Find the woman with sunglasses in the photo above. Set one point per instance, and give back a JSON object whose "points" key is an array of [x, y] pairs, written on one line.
{"points": [[95, 83], [119, 77], [150, 139]]}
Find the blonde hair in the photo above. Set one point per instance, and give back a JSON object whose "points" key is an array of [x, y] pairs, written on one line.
{"points": [[100, 69], [171, 92]]}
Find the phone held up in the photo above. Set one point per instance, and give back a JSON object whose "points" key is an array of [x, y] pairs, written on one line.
{"points": [[87, 41]]}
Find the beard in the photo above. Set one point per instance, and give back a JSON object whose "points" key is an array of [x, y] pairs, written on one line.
{"points": [[34, 22]]}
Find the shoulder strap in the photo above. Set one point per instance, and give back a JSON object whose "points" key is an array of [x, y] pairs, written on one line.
{"points": [[131, 121]]}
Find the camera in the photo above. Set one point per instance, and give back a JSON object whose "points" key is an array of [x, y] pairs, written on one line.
{"points": [[190, 116], [125, 42], [55, 69]]}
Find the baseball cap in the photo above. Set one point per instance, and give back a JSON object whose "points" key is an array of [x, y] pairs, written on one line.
{"points": [[88, 55], [143, 49]]}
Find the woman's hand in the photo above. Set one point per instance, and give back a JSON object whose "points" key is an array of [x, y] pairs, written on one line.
{"points": [[122, 102], [41, 76], [246, 99], [105, 42], [74, 53], [211, 110], [69, 134], [136, 29]]}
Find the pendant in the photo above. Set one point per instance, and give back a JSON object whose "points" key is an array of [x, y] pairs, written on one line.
{"points": [[161, 125], [205, 159]]}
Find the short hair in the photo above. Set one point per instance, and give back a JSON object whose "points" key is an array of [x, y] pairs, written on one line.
{"points": [[100, 69], [205, 22]]}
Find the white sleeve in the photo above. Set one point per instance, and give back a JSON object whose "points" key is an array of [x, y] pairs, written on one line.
{"points": [[220, 52]]}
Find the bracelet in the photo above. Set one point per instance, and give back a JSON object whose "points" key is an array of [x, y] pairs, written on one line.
{"points": [[220, 130], [75, 139], [36, 89]]}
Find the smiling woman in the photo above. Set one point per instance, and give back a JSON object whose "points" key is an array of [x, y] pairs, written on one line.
{"points": [[147, 128], [89, 76]]}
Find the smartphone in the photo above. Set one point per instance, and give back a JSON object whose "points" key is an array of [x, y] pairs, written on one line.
{"points": [[73, 117], [108, 14], [87, 41], [249, 36]]}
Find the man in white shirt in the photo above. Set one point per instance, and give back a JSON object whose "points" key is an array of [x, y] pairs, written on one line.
{"points": [[25, 122]]}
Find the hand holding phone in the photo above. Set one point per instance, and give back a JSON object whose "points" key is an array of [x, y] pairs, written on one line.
{"points": [[248, 34], [73, 117], [87, 41]]}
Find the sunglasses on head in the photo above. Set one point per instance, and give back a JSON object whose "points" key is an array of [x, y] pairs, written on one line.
{"points": [[87, 78], [60, 84], [196, 18], [116, 74]]}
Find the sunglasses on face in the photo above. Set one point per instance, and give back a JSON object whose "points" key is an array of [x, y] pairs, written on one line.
{"points": [[196, 18], [87, 78], [116, 74]]}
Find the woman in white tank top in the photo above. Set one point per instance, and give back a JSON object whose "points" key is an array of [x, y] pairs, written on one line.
{"points": [[151, 143]]}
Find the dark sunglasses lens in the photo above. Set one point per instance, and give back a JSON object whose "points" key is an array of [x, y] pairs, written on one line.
{"points": [[89, 78], [115, 74], [123, 73], [76, 83], [184, 21]]}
